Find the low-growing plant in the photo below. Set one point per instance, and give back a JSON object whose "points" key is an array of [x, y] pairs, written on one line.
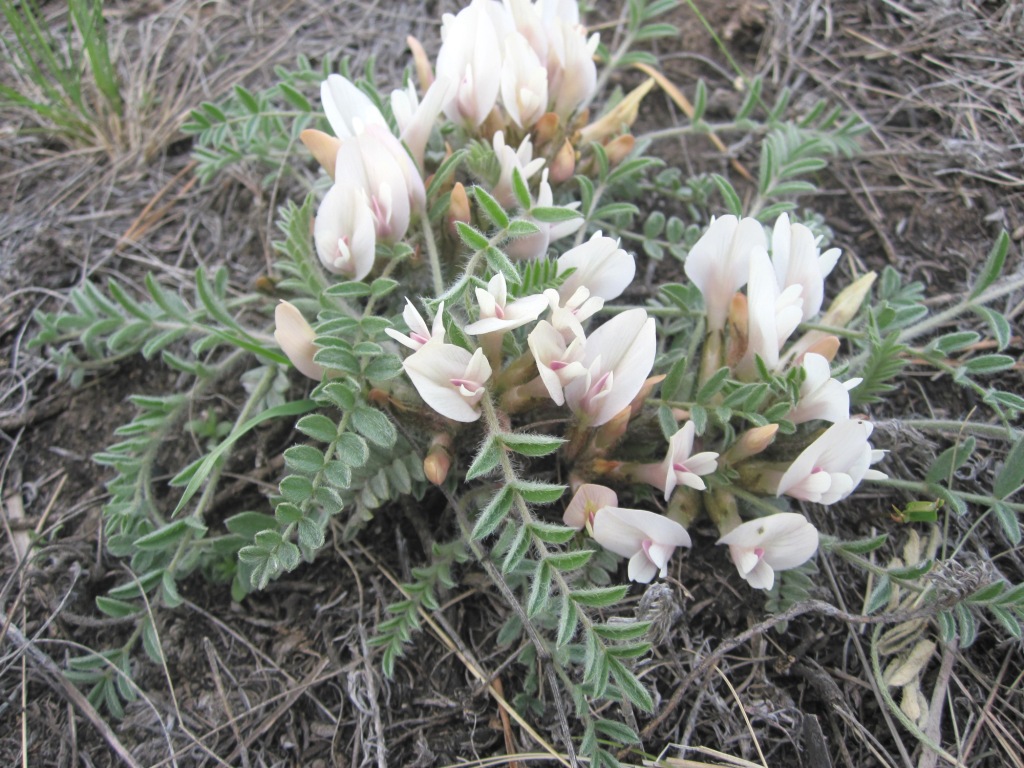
{"points": [[68, 83], [469, 325]]}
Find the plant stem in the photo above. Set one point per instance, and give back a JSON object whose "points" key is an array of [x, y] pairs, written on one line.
{"points": [[921, 487], [433, 255], [258, 394], [947, 425], [935, 321], [700, 128]]}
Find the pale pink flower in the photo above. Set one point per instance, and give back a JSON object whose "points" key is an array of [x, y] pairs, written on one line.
{"points": [[587, 500], [682, 466], [419, 333], [558, 362], [560, 229], [719, 263], [821, 396], [344, 231], [565, 11], [295, 337], [799, 261], [605, 269], [618, 356], [528, 22], [646, 538], [449, 379], [497, 313], [778, 542], [833, 465]]}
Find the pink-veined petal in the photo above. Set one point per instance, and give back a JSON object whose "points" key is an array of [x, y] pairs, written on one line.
{"points": [[588, 498]]}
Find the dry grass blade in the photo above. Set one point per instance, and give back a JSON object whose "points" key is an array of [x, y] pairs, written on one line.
{"points": [[723, 760], [680, 100], [461, 653], [53, 675]]}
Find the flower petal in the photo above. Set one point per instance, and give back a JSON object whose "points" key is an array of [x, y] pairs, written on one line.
{"points": [[588, 498], [641, 569]]}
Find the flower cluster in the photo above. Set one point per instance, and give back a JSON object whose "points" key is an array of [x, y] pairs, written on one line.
{"points": [[749, 332], [524, 59], [517, 75], [597, 375]]}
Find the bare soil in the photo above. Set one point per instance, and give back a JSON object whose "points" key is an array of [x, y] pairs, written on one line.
{"points": [[286, 677]]}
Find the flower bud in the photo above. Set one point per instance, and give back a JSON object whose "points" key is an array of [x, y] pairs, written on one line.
{"points": [[564, 164], [424, 72], [545, 130], [295, 337], [438, 459], [846, 305], [619, 148], [323, 147], [827, 347], [751, 443], [458, 206]]}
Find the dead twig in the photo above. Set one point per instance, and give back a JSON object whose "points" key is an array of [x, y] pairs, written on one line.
{"points": [[49, 670]]}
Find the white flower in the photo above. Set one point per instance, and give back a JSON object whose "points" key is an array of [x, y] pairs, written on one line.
{"points": [[618, 356], [534, 246], [821, 396], [524, 82], [646, 538], [773, 543], [587, 500], [344, 231], [470, 57], [719, 263], [572, 74], [295, 337], [449, 379], [348, 109], [682, 468], [567, 315], [376, 163], [772, 315], [416, 118], [605, 269], [833, 465], [419, 334], [372, 158], [509, 160], [799, 261], [558, 363], [497, 314]]}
